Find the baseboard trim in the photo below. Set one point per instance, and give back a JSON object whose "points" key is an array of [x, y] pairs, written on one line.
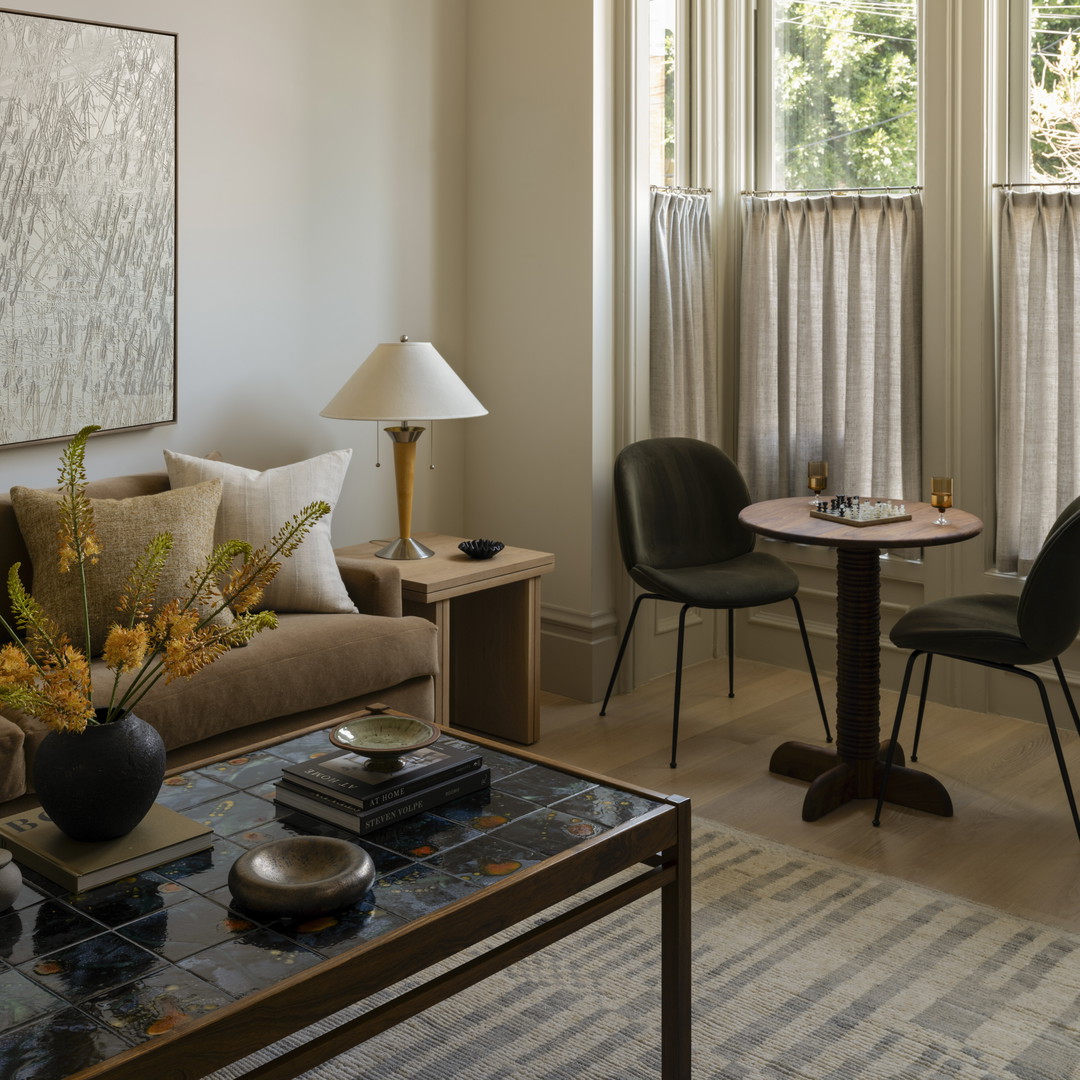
{"points": [[577, 651]]}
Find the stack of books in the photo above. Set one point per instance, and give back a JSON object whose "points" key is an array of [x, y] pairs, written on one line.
{"points": [[344, 790], [161, 837]]}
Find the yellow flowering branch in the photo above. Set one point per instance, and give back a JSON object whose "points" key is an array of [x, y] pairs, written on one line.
{"points": [[181, 639], [42, 674], [78, 543]]}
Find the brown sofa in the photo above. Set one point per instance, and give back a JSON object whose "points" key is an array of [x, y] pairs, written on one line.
{"points": [[312, 666]]}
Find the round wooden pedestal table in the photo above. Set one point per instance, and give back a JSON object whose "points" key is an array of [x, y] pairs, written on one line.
{"points": [[853, 770]]}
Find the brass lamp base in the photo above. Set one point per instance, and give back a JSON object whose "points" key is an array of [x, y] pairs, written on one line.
{"points": [[405, 547]]}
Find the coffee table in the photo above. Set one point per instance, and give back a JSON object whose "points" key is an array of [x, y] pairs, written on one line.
{"points": [[855, 768], [156, 976]]}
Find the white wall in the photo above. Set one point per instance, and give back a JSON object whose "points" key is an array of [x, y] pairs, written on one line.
{"points": [[350, 170], [321, 188], [539, 319]]}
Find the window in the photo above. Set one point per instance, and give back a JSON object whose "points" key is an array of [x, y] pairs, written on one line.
{"points": [[662, 97], [1039, 295], [837, 94], [1053, 85], [831, 282]]}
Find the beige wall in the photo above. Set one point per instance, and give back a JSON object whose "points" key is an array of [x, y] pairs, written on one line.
{"points": [[350, 170], [321, 192], [539, 321]]}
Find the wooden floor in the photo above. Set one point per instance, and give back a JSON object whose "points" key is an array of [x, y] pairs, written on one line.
{"points": [[1011, 843]]}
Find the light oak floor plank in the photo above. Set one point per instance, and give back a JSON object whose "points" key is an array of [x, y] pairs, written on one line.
{"points": [[1011, 841]]}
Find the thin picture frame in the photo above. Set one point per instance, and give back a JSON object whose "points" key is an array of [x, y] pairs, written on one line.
{"points": [[88, 170]]}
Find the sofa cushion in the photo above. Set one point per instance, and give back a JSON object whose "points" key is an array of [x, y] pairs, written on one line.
{"points": [[309, 661], [124, 527], [254, 505], [13, 773]]}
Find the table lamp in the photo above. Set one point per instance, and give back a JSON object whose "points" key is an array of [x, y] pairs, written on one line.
{"points": [[400, 379]]}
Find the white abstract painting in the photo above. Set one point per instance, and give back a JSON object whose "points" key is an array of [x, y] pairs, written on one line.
{"points": [[87, 227]]}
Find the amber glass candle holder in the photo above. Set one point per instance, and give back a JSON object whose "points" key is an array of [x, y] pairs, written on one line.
{"points": [[941, 488], [817, 478]]}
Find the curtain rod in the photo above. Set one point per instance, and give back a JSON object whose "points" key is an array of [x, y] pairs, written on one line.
{"points": [[681, 190], [1040, 183], [832, 191]]}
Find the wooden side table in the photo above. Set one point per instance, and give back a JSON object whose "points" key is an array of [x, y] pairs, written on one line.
{"points": [[488, 615], [854, 769]]}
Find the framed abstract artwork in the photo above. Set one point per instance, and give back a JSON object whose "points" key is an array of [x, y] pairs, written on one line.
{"points": [[87, 227]]}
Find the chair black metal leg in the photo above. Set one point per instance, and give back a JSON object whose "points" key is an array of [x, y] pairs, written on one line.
{"points": [[895, 735], [730, 652], [1057, 745], [813, 668], [1068, 694], [623, 644], [678, 684], [922, 707]]}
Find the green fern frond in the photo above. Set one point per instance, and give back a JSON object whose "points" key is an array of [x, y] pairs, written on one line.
{"points": [[136, 599]]}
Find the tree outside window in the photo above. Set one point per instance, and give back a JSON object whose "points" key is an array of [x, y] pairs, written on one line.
{"points": [[1054, 91], [845, 94]]}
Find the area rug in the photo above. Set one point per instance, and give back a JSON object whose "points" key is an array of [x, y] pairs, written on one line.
{"points": [[803, 968]]}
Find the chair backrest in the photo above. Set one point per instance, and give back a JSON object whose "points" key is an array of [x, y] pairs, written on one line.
{"points": [[1048, 616], [677, 503]]}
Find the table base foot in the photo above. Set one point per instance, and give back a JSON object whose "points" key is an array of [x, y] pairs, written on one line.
{"points": [[834, 782], [805, 761]]}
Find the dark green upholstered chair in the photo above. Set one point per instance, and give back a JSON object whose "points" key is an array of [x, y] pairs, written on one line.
{"points": [[1008, 633], [677, 504]]}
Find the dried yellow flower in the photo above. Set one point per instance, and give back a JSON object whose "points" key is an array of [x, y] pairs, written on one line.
{"points": [[46, 677], [67, 688], [15, 667], [183, 657], [126, 647]]}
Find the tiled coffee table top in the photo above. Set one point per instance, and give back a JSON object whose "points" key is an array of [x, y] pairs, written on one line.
{"points": [[86, 976]]}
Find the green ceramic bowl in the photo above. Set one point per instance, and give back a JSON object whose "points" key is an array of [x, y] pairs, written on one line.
{"points": [[383, 736]]}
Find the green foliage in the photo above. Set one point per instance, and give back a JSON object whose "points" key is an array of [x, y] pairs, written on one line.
{"points": [[846, 94], [1055, 90], [669, 107]]}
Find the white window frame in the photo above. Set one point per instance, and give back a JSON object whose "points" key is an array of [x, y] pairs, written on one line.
{"points": [[760, 53]]}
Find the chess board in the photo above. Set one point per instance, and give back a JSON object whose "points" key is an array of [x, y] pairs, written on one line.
{"points": [[858, 511]]}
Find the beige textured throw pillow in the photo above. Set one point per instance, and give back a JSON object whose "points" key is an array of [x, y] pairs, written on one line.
{"points": [[124, 527], [254, 505]]}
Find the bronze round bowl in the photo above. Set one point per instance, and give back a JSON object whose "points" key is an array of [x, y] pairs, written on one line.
{"points": [[481, 549], [301, 876], [384, 738]]}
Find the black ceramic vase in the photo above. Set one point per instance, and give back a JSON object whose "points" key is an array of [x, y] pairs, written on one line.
{"points": [[99, 784]]}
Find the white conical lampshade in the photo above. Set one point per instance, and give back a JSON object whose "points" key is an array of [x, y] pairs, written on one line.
{"points": [[404, 380]]}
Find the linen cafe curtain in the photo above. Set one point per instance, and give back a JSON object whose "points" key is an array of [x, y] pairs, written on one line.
{"points": [[1039, 388], [831, 344], [682, 314]]}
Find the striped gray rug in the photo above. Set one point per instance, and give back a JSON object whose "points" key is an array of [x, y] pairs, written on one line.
{"points": [[803, 968]]}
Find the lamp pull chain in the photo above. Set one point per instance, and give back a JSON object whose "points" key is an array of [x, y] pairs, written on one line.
{"points": [[431, 447], [378, 463]]}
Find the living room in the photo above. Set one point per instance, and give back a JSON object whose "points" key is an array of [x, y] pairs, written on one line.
{"points": [[354, 170]]}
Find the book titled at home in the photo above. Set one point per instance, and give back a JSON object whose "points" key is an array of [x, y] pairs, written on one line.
{"points": [[328, 808], [348, 776], [162, 836]]}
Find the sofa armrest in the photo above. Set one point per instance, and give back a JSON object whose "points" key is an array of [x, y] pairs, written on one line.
{"points": [[13, 776], [373, 584]]}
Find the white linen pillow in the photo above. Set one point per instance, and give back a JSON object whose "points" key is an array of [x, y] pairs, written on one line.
{"points": [[254, 505]]}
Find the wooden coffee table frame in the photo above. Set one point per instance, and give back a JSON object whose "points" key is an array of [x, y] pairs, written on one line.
{"points": [[658, 843]]}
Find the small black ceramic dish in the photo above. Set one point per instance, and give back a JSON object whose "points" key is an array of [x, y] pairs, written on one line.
{"points": [[481, 549], [301, 876]]}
